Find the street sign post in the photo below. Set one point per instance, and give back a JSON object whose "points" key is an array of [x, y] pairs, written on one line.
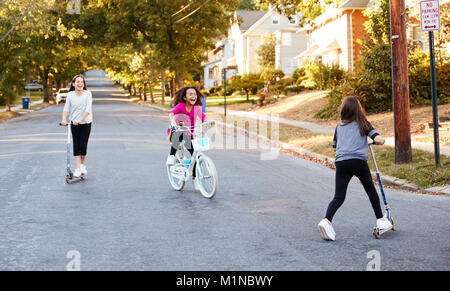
{"points": [[430, 21]]}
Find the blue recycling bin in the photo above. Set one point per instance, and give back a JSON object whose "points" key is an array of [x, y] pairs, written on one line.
{"points": [[25, 102]]}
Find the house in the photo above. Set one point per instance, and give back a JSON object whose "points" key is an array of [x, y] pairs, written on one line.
{"points": [[333, 36], [246, 34], [213, 67]]}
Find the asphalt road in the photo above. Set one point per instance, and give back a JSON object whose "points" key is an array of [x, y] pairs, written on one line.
{"points": [[125, 216]]}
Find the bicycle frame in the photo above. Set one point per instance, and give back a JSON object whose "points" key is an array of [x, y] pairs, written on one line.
{"points": [[196, 154]]}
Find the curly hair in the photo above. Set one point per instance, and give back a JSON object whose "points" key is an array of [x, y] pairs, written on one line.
{"points": [[181, 94]]}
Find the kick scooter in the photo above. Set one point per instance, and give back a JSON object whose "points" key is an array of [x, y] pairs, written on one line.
{"points": [[69, 175], [377, 233]]}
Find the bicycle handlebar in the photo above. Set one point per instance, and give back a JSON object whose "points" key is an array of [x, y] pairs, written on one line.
{"points": [[188, 128]]}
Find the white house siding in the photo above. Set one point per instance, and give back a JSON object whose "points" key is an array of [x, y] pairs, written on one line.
{"points": [[288, 44], [254, 38], [324, 35], [253, 43], [235, 37]]}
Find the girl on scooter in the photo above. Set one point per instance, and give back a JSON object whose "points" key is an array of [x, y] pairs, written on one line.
{"points": [[78, 112]]}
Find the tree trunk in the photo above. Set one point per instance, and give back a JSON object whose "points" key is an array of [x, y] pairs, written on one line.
{"points": [[8, 103], [180, 80], [151, 91], [133, 88], [163, 86], [45, 81], [172, 88], [145, 93]]}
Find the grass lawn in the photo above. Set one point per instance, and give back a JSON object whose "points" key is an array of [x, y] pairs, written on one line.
{"points": [[421, 171], [34, 96]]}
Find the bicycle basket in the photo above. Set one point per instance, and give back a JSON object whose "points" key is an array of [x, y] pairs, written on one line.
{"points": [[200, 144]]}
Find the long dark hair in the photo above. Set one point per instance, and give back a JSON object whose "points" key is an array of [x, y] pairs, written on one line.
{"points": [[181, 94], [72, 87], [351, 110]]}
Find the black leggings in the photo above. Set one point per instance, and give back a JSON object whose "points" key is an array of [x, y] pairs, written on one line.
{"points": [[176, 138], [344, 172], [80, 136]]}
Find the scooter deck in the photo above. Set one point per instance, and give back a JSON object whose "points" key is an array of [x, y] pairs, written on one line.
{"points": [[73, 179], [377, 233]]}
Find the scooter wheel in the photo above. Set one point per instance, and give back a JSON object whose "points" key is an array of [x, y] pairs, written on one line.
{"points": [[376, 234]]}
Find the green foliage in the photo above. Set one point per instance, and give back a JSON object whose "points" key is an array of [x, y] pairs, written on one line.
{"points": [[272, 75], [314, 75], [307, 10], [249, 83], [372, 81], [266, 52]]}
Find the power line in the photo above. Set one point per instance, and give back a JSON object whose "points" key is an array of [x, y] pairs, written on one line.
{"points": [[182, 9], [181, 19]]}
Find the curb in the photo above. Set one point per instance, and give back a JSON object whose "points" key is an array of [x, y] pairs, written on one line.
{"points": [[388, 180]]}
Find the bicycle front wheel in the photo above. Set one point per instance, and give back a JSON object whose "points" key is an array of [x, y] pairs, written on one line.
{"points": [[176, 175], [207, 176]]}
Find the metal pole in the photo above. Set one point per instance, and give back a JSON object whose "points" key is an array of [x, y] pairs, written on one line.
{"points": [[225, 89], [437, 160]]}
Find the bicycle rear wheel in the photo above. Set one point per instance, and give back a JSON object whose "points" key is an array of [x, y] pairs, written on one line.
{"points": [[207, 176]]}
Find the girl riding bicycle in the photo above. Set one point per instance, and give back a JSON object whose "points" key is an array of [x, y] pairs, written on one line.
{"points": [[187, 109]]}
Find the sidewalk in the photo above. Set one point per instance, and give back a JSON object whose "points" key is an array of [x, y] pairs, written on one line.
{"points": [[317, 128], [20, 106]]}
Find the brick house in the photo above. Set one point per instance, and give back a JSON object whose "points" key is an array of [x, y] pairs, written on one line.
{"points": [[334, 34]]}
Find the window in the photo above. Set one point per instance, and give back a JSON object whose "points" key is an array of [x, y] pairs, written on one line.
{"points": [[417, 36], [286, 39], [275, 19]]}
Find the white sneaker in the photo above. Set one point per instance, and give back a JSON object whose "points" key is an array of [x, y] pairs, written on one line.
{"points": [[83, 169], [77, 173], [171, 160], [326, 230], [383, 223]]}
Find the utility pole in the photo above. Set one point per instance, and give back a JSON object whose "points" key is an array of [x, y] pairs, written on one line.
{"points": [[400, 85]]}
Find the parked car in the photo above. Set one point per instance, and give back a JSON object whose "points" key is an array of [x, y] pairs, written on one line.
{"points": [[61, 95], [34, 87]]}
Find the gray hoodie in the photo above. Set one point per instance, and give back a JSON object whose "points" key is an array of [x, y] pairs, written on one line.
{"points": [[349, 143]]}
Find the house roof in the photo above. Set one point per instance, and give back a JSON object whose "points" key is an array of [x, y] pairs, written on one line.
{"points": [[249, 18], [354, 4], [331, 13], [308, 52], [332, 46]]}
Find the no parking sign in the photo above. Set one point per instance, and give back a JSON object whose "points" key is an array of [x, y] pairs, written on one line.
{"points": [[429, 15]]}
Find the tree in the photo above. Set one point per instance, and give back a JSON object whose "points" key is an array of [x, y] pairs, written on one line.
{"points": [[249, 83], [266, 52], [307, 10], [179, 41]]}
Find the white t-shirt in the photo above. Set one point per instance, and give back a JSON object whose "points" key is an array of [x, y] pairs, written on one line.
{"points": [[77, 105]]}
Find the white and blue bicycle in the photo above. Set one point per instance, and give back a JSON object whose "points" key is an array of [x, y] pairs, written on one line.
{"points": [[183, 168]]}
